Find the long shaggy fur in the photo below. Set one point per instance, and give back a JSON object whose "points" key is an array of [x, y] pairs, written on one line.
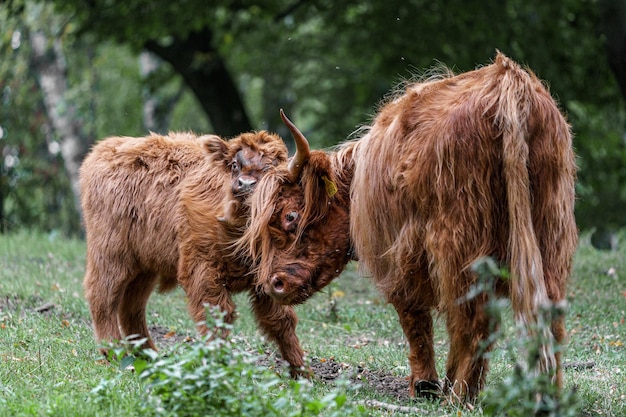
{"points": [[152, 209], [453, 169]]}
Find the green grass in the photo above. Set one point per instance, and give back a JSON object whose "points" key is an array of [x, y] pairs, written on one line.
{"points": [[50, 363]]}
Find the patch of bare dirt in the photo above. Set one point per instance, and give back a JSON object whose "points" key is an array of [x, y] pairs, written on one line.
{"points": [[383, 383], [329, 370], [164, 337]]}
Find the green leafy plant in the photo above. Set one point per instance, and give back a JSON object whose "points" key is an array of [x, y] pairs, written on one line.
{"points": [[524, 392], [216, 377]]}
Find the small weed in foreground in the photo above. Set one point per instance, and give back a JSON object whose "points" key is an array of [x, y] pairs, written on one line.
{"points": [[526, 392], [214, 377]]}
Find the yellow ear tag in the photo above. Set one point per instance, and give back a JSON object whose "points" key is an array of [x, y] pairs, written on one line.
{"points": [[331, 188]]}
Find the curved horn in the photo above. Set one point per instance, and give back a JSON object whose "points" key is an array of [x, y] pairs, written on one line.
{"points": [[302, 149]]}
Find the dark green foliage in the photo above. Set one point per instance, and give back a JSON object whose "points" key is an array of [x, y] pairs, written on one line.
{"points": [[329, 63]]}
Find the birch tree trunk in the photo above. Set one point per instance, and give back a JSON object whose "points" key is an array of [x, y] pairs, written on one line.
{"points": [[157, 105], [50, 69]]}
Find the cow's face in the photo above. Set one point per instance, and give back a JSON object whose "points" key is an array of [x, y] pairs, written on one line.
{"points": [[299, 236], [247, 167], [247, 158], [308, 250], [298, 232], [253, 155]]}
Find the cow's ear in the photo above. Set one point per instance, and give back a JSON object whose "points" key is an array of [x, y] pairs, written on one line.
{"points": [[215, 145], [320, 186]]}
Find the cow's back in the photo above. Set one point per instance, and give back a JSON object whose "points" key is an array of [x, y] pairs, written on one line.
{"points": [[129, 194], [430, 175]]}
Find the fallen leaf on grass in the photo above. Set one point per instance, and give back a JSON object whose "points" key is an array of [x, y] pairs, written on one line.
{"points": [[338, 294], [169, 334]]}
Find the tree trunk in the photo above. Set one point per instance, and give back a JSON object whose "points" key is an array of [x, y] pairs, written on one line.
{"points": [[157, 105], [205, 73], [51, 72]]}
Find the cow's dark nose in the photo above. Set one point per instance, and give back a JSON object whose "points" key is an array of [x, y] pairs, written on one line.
{"points": [[246, 182]]}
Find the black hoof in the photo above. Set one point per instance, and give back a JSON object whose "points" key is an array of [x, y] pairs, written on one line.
{"points": [[427, 389]]}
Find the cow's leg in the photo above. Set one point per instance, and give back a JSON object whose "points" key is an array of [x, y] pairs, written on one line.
{"points": [[560, 335], [413, 298], [467, 366], [202, 286], [417, 325], [104, 287], [279, 323], [198, 302], [132, 310]]}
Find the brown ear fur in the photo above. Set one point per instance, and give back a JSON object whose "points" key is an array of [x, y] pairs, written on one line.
{"points": [[316, 196], [214, 143]]}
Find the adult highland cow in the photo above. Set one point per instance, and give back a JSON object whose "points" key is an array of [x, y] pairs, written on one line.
{"points": [[453, 169], [154, 215]]}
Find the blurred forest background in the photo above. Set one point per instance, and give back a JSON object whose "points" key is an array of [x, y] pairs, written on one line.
{"points": [[75, 71]]}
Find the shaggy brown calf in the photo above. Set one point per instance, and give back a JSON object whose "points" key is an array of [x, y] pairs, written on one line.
{"points": [[154, 215], [453, 169]]}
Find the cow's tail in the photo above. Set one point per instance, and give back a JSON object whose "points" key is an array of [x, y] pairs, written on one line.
{"points": [[513, 108]]}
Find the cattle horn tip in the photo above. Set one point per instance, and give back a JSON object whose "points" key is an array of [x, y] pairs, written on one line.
{"points": [[302, 148]]}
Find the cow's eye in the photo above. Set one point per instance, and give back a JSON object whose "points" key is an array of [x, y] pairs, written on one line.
{"points": [[289, 221], [291, 216], [234, 166]]}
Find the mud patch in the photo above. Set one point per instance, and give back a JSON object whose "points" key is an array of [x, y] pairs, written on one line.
{"points": [[329, 370], [380, 382], [164, 338]]}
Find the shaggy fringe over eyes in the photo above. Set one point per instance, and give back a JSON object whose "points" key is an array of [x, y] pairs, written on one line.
{"points": [[256, 239]]}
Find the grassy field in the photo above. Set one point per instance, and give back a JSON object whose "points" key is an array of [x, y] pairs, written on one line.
{"points": [[50, 365]]}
